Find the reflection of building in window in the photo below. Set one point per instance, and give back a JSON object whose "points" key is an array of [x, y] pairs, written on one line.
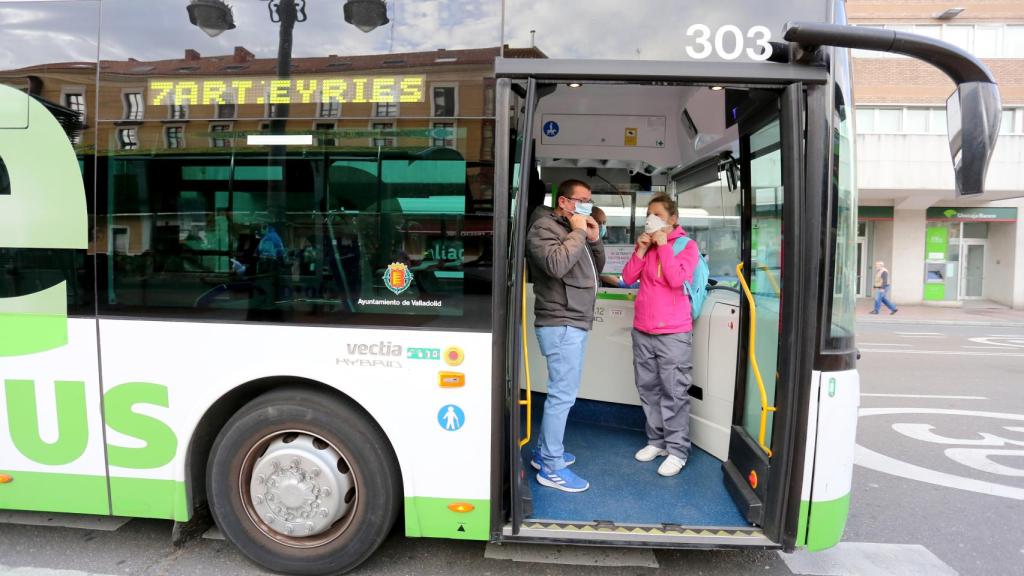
{"points": [[380, 139], [487, 141], [134, 107], [385, 109], [226, 110], [324, 127], [175, 136], [178, 112], [127, 138], [443, 134], [216, 141], [330, 109], [443, 100], [76, 102]]}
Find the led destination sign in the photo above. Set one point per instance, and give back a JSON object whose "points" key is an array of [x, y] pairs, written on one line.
{"points": [[304, 90]]}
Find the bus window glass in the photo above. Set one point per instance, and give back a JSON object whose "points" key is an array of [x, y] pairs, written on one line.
{"points": [[56, 77], [710, 214], [844, 218]]}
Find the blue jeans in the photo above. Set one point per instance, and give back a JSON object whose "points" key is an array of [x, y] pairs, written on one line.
{"points": [[563, 347], [882, 297]]}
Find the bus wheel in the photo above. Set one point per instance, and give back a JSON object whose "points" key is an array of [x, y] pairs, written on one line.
{"points": [[303, 483]]}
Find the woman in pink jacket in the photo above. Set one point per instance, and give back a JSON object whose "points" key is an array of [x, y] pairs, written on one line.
{"points": [[662, 337]]}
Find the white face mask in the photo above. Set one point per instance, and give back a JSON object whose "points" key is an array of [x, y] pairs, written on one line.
{"points": [[654, 224]]}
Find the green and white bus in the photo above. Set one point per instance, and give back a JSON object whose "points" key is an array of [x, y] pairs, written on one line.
{"points": [[258, 262]]}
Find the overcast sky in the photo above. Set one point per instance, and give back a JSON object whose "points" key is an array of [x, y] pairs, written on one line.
{"points": [[58, 31]]}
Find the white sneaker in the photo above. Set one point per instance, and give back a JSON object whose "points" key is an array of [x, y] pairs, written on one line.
{"points": [[671, 466], [648, 453]]}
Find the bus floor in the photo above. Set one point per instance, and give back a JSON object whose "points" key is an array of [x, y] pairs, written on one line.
{"points": [[604, 437]]}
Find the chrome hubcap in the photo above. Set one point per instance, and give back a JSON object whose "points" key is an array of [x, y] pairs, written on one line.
{"points": [[297, 488]]}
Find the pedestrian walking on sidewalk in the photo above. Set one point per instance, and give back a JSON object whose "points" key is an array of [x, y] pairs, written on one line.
{"points": [[882, 289]]}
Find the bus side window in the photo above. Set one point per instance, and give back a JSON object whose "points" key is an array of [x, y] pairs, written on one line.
{"points": [[5, 180]]}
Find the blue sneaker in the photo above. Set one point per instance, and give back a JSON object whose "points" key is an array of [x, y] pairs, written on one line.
{"points": [[565, 480], [570, 459]]}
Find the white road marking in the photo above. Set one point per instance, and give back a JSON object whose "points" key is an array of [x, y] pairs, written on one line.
{"points": [[1005, 341], [985, 347], [919, 333], [881, 344], [27, 571], [882, 463], [944, 352], [80, 521], [930, 396], [573, 555], [861, 558]]}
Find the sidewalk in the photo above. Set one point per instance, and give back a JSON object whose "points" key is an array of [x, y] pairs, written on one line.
{"points": [[971, 314]]}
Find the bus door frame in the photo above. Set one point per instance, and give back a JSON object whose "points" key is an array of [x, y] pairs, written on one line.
{"points": [[801, 245]]}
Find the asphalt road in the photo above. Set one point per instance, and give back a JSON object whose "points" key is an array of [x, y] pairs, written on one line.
{"points": [[940, 465]]}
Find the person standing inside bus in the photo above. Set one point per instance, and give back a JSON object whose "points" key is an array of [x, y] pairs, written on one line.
{"points": [[662, 333], [565, 252]]}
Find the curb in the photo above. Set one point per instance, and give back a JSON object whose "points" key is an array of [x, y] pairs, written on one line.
{"points": [[993, 323]]}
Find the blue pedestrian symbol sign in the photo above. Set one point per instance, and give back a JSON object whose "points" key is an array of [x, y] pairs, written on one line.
{"points": [[451, 417], [551, 128]]}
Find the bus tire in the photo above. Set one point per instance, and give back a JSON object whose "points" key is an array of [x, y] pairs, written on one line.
{"points": [[325, 427]]}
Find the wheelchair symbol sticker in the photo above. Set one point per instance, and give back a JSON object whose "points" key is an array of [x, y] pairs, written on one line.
{"points": [[551, 128], [451, 417]]}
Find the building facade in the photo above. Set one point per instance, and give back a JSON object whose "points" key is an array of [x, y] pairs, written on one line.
{"points": [[940, 249]]}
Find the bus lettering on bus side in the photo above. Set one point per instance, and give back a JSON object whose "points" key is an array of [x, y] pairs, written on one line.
{"points": [[23, 419]]}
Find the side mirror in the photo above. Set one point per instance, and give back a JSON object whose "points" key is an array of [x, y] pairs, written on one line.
{"points": [[973, 116], [973, 112]]}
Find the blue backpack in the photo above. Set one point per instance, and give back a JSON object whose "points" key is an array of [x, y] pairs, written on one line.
{"points": [[697, 288]]}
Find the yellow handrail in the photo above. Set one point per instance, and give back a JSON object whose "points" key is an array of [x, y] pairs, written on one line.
{"points": [[765, 408], [526, 368]]}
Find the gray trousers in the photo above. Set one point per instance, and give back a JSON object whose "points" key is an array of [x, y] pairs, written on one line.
{"points": [[662, 365]]}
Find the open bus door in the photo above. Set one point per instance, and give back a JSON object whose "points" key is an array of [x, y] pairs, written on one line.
{"points": [[770, 146]]}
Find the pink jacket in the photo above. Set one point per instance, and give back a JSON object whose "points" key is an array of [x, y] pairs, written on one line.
{"points": [[662, 306]]}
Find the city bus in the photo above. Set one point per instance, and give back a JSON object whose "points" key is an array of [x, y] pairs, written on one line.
{"points": [[259, 265]]}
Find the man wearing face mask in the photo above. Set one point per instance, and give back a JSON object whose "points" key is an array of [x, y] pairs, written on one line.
{"points": [[565, 253]]}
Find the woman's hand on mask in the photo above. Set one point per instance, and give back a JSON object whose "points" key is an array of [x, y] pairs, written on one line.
{"points": [[660, 238], [642, 244]]}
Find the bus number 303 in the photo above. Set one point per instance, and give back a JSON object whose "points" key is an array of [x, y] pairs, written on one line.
{"points": [[728, 42]]}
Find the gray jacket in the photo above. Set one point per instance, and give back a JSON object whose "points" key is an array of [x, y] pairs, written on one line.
{"points": [[564, 268]]}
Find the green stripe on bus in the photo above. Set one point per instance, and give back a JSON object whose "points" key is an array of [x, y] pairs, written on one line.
{"points": [[148, 498], [801, 527], [431, 518], [616, 296], [826, 522], [34, 322], [49, 492]]}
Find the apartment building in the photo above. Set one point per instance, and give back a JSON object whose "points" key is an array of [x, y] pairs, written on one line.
{"points": [[941, 249]]}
